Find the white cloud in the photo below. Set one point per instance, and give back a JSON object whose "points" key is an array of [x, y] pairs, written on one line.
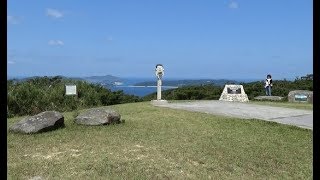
{"points": [[11, 62], [54, 13], [233, 5], [56, 43], [12, 20]]}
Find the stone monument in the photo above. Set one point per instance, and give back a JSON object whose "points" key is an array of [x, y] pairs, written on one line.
{"points": [[232, 92], [300, 96], [159, 71]]}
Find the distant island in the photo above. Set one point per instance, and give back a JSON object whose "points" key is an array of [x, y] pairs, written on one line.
{"points": [[188, 82], [107, 80]]}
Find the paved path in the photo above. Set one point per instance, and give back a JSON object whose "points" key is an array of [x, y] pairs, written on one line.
{"points": [[297, 117]]}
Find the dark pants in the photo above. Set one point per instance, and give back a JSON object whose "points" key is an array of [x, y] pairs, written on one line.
{"points": [[268, 90]]}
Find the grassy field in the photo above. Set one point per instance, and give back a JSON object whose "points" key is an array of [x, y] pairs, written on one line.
{"points": [[162, 143]]}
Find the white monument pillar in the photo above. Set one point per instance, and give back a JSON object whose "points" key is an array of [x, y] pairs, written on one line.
{"points": [[159, 89], [159, 73]]}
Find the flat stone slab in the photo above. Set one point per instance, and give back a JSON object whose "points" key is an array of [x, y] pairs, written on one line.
{"points": [[273, 98], [296, 117]]}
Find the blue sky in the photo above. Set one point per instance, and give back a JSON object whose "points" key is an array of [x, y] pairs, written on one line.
{"points": [[234, 39]]}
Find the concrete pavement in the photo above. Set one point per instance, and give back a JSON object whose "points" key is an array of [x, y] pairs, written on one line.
{"points": [[296, 117]]}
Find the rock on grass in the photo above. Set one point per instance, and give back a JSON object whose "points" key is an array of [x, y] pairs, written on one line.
{"points": [[98, 116], [42, 122]]}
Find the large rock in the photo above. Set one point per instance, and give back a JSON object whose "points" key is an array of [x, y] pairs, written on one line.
{"points": [[98, 116], [300, 96], [45, 121]]}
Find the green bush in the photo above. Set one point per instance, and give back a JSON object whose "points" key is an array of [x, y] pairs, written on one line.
{"points": [[201, 92], [43, 93]]}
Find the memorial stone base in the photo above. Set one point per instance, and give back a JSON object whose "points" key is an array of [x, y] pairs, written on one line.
{"points": [[157, 102]]}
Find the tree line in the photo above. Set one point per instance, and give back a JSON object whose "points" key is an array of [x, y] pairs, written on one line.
{"points": [[252, 89]]}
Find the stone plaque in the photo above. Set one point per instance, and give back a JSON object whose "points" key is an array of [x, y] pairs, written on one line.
{"points": [[300, 97], [234, 91], [71, 90]]}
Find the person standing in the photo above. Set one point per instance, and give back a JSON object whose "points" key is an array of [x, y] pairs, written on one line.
{"points": [[268, 85]]}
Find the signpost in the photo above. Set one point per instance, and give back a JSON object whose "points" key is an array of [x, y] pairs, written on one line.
{"points": [[71, 89]]}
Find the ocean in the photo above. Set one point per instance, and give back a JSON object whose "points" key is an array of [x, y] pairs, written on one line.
{"points": [[141, 91], [127, 87]]}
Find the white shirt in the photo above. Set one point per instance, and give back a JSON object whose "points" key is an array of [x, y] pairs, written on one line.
{"points": [[268, 83]]}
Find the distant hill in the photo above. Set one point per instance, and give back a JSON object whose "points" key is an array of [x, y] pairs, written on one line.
{"points": [[103, 80], [188, 82], [22, 79]]}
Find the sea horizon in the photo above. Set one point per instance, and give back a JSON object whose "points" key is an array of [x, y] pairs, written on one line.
{"points": [[142, 79]]}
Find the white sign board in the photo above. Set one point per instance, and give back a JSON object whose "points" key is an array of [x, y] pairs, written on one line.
{"points": [[71, 90]]}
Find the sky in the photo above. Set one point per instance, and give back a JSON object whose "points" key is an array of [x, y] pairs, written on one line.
{"points": [[233, 39]]}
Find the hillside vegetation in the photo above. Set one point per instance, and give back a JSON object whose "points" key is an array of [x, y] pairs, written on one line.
{"points": [[253, 89], [34, 95], [39, 94]]}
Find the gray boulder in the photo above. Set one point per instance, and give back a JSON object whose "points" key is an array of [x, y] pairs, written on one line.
{"points": [[42, 122], [300, 96], [98, 116]]}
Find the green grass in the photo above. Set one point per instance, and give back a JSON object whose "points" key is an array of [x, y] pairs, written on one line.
{"points": [[297, 105], [163, 143]]}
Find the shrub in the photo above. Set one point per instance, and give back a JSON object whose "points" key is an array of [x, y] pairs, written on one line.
{"points": [[43, 93]]}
